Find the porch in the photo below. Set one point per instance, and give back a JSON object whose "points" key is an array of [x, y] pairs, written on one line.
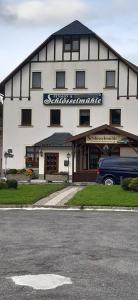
{"points": [[90, 146]]}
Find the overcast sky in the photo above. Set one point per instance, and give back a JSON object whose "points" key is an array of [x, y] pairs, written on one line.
{"points": [[25, 24]]}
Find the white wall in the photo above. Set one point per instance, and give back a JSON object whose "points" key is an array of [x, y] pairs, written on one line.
{"points": [[18, 138], [62, 157]]}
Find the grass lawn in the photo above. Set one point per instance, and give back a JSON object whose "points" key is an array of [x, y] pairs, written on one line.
{"points": [[105, 196], [28, 194]]}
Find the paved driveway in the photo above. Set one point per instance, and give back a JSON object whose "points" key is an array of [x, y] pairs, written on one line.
{"points": [[98, 251]]}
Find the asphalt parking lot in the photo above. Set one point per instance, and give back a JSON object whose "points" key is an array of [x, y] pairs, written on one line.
{"points": [[98, 251]]}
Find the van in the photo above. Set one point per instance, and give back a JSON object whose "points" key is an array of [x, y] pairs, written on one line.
{"points": [[111, 170]]}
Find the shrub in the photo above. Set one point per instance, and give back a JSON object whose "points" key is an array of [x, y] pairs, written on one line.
{"points": [[21, 171], [125, 183], [29, 172], [11, 171], [3, 185], [12, 184], [133, 185]]}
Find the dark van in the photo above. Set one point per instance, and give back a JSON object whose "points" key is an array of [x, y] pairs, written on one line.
{"points": [[113, 169]]}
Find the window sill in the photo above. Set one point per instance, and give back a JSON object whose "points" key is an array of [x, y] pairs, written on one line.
{"points": [[116, 125], [54, 126], [110, 88], [25, 126], [71, 51], [60, 88], [36, 89], [84, 126], [80, 88]]}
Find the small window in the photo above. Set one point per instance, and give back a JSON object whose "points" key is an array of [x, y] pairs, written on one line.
{"points": [[1, 114], [110, 79], [60, 80], [32, 157], [55, 117], [84, 117], [115, 117], [36, 80], [67, 45], [26, 117], [71, 44], [75, 45], [80, 79]]}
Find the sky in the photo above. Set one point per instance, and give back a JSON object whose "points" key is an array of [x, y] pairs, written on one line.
{"points": [[25, 24]]}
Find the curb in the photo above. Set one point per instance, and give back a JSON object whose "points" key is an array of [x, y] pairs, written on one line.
{"points": [[67, 208]]}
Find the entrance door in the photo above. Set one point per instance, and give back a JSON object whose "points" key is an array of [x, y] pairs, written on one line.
{"points": [[51, 163], [94, 155], [94, 158]]}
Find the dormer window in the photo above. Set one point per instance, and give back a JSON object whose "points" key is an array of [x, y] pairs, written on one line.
{"points": [[71, 44]]}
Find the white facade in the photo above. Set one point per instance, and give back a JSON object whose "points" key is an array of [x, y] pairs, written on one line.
{"points": [[94, 57]]}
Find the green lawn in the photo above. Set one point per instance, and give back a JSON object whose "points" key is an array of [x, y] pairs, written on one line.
{"points": [[28, 194], [97, 195]]}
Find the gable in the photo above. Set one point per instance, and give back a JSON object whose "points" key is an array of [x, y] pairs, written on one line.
{"points": [[92, 48], [104, 129]]}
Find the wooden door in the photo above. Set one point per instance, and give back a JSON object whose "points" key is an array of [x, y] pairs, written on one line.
{"points": [[51, 163]]}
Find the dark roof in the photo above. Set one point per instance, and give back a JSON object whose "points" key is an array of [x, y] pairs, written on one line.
{"points": [[104, 127], [74, 28], [58, 139]]}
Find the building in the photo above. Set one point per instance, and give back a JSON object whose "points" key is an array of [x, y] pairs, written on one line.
{"points": [[1, 130], [74, 94]]}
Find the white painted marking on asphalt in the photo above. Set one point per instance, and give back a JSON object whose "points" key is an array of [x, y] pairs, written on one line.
{"points": [[41, 281], [112, 209]]}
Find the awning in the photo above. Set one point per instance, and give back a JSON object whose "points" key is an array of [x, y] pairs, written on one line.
{"points": [[58, 139], [104, 129]]}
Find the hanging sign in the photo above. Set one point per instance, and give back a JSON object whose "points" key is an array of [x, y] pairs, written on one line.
{"points": [[72, 99], [105, 139]]}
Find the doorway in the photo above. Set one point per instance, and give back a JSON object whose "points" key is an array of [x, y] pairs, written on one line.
{"points": [[94, 155], [96, 152], [51, 163]]}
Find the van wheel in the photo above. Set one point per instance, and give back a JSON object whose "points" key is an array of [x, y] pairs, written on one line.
{"points": [[108, 181]]}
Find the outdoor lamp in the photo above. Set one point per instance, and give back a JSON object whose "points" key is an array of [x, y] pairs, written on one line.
{"points": [[41, 152], [68, 155]]}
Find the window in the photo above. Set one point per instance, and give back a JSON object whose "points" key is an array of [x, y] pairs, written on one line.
{"points": [[36, 80], [110, 79], [67, 45], [26, 117], [115, 117], [80, 79], [1, 114], [55, 117], [60, 80], [71, 44], [75, 45], [84, 117], [32, 157]]}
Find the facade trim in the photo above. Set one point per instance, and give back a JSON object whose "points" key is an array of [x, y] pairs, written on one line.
{"points": [[20, 84]]}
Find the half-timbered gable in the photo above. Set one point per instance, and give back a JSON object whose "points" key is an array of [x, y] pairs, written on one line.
{"points": [[89, 48]]}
